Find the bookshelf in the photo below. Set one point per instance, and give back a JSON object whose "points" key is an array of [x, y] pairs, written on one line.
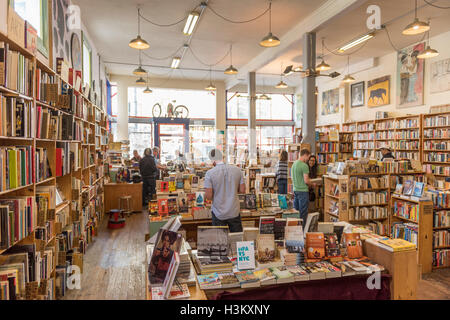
{"points": [[346, 138], [55, 140], [335, 198], [250, 179], [327, 144], [412, 220], [364, 139]]}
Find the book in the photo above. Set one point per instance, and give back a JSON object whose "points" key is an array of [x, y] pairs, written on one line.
{"points": [[395, 245], [354, 245], [265, 244], [165, 186], [233, 238], [265, 277], [199, 199], [212, 240], [242, 204], [172, 206], [247, 279], [266, 225], [163, 207], [398, 188], [250, 233], [408, 187], [250, 201], [245, 255], [418, 189], [282, 275], [183, 206], [282, 202], [332, 245], [228, 280], [299, 273], [209, 281], [279, 228], [167, 243], [315, 245]]}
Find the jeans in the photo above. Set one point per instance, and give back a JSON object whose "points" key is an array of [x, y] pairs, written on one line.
{"points": [[234, 224], [282, 186], [301, 203], [148, 189]]}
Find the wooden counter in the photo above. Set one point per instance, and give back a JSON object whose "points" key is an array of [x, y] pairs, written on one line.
{"points": [[113, 191]]}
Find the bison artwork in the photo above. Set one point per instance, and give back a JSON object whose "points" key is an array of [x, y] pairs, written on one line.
{"points": [[378, 91]]}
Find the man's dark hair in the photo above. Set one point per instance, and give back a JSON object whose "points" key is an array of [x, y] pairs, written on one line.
{"points": [[304, 151]]}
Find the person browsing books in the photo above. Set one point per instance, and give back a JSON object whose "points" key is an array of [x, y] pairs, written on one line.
{"points": [[136, 156], [281, 172], [159, 166], [301, 181], [148, 170], [386, 152], [222, 185]]}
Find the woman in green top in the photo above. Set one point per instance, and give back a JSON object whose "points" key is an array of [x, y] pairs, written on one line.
{"points": [[300, 179]]}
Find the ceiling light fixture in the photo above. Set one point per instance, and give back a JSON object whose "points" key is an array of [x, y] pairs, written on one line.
{"points": [[417, 26], [428, 52], [231, 69], [191, 22], [147, 90], [210, 86], [270, 40], [175, 62], [140, 81], [323, 66], [348, 78], [357, 41], [138, 42], [281, 84], [139, 71]]}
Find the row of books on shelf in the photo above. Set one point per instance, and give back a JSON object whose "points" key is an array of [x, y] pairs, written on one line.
{"points": [[441, 238], [441, 219], [435, 145], [406, 210], [16, 70], [16, 168], [15, 117], [436, 133], [367, 213], [327, 158], [328, 147], [403, 144], [441, 258], [437, 169], [411, 155], [368, 198], [407, 123], [55, 125], [437, 157], [406, 231], [17, 219], [357, 183], [439, 120], [365, 136], [345, 148]]}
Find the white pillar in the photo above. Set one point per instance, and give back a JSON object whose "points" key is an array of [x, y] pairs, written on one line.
{"points": [[309, 88], [122, 112], [252, 115], [221, 117]]}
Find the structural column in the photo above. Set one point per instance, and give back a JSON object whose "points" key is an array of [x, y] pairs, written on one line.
{"points": [[122, 112], [252, 115], [309, 88]]}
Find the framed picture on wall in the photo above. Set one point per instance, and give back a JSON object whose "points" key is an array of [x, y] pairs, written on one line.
{"points": [[410, 76], [440, 76], [330, 101], [378, 91], [357, 94]]}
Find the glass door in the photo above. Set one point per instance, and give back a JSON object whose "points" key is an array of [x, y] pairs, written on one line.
{"points": [[171, 141]]}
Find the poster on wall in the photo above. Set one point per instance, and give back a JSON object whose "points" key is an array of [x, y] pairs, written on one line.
{"points": [[330, 102], [440, 76], [410, 79], [357, 94], [378, 91]]}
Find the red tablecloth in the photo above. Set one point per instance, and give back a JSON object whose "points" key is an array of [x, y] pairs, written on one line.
{"points": [[345, 288]]}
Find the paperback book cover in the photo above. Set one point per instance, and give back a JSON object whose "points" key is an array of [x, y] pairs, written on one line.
{"points": [[354, 245], [265, 244], [242, 204], [250, 201], [315, 245], [418, 189], [247, 279], [199, 199], [332, 245], [172, 206], [163, 208], [228, 280], [282, 202], [266, 225], [165, 186], [245, 255], [212, 240], [183, 206], [408, 187]]}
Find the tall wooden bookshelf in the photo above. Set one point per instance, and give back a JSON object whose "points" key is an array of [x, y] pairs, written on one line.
{"points": [[327, 144], [420, 228], [346, 138], [364, 144], [72, 222]]}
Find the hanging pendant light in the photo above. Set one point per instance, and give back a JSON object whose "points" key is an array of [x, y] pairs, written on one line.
{"points": [[140, 81], [264, 97], [139, 71], [147, 89], [428, 52], [417, 26], [323, 66], [348, 78], [270, 40], [281, 84], [231, 69], [210, 86], [138, 42]]}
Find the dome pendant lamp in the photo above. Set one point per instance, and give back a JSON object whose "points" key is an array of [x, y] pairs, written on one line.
{"points": [[270, 40], [139, 43], [231, 69], [417, 26]]}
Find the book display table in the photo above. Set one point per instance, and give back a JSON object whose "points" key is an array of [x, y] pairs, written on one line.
{"points": [[113, 191]]}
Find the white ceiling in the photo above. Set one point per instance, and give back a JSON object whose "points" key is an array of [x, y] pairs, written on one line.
{"points": [[113, 23]]}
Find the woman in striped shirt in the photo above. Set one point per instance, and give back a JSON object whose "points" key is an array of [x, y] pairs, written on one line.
{"points": [[281, 171]]}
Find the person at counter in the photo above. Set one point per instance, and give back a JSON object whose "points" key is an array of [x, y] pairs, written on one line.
{"points": [[159, 166], [136, 156], [148, 170], [222, 185]]}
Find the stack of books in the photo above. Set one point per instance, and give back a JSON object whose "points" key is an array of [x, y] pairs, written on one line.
{"points": [[210, 264]]}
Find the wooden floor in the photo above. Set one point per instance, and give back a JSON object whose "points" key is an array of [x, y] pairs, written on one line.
{"points": [[114, 267]]}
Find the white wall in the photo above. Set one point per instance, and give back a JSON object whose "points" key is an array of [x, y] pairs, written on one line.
{"points": [[387, 65]]}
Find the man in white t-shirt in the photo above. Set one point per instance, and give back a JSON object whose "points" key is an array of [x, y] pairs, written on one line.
{"points": [[222, 185]]}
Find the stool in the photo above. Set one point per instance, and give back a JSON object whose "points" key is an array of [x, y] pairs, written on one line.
{"points": [[125, 204], [116, 219]]}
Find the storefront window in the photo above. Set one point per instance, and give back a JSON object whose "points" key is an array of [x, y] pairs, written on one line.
{"points": [[201, 140], [140, 136]]}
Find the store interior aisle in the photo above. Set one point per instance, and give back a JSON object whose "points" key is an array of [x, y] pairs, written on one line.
{"points": [[114, 263]]}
